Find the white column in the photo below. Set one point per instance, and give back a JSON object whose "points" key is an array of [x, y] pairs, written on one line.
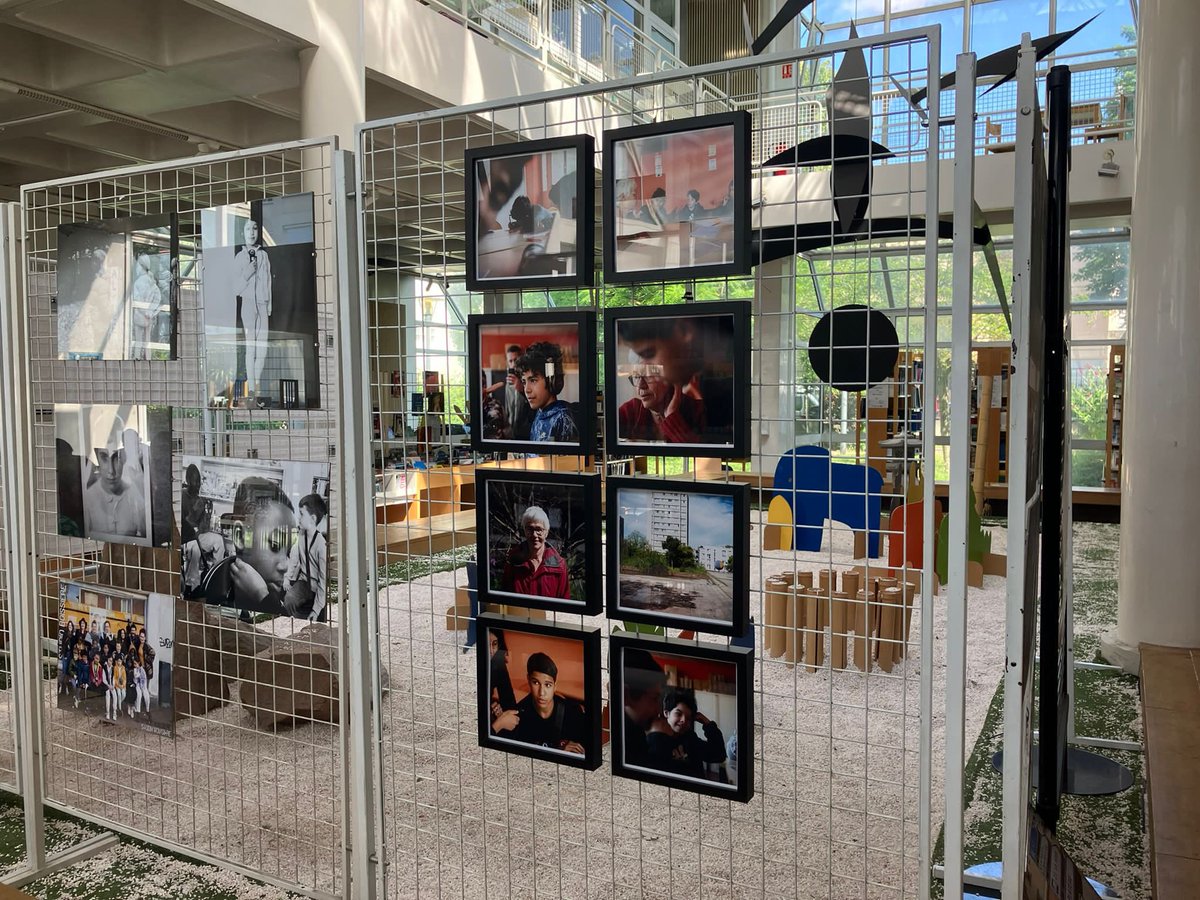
{"points": [[333, 86], [1160, 473]]}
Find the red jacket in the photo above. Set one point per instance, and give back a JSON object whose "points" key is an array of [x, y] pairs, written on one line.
{"points": [[684, 426], [549, 580]]}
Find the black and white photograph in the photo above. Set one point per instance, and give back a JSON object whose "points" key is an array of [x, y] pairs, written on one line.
{"points": [[541, 535], [254, 535], [115, 653], [539, 690], [117, 289], [533, 382], [677, 199], [688, 715], [113, 469], [677, 379], [530, 214], [678, 554], [258, 280]]}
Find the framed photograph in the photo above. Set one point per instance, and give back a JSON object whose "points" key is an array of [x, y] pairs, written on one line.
{"points": [[688, 718], [113, 469], [533, 382], [540, 532], [254, 535], [677, 199], [539, 690], [530, 214], [258, 282], [117, 288], [677, 554], [115, 652], [677, 380]]}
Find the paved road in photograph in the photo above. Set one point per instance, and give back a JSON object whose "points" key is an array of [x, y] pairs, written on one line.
{"points": [[708, 597]]}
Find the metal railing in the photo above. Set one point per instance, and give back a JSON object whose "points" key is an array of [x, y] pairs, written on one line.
{"points": [[583, 40]]}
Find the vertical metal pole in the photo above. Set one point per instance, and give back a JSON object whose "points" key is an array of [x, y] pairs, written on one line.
{"points": [[928, 428], [960, 467], [361, 719], [1022, 502], [24, 606], [1052, 678]]}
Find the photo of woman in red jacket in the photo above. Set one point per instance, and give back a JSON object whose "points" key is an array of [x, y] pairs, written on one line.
{"points": [[534, 532]]}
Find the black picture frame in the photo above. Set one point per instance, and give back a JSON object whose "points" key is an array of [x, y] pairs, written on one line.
{"points": [[583, 147], [741, 659], [734, 236], [533, 324], [729, 398], [589, 639], [586, 536], [738, 497]]}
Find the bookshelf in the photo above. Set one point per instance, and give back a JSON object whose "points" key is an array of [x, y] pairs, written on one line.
{"points": [[1116, 404]]}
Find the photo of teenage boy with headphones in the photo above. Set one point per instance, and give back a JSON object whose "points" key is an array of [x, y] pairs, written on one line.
{"points": [[542, 377]]}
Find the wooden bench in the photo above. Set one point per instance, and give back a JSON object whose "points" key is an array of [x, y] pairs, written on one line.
{"points": [[1171, 714]]}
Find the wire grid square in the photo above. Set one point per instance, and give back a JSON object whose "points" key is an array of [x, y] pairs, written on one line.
{"points": [[8, 755], [270, 801], [836, 805]]}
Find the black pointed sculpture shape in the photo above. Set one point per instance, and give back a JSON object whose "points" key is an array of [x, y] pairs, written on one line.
{"points": [[819, 151], [789, 11], [1004, 62]]}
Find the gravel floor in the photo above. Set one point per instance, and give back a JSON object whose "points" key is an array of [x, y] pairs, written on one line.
{"points": [[834, 815]]}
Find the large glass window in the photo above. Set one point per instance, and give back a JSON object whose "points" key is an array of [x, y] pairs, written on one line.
{"points": [[993, 25]]}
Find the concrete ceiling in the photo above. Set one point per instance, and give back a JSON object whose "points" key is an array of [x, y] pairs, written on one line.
{"points": [[96, 84]]}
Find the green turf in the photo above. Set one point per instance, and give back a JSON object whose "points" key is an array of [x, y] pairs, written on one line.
{"points": [[1104, 835]]}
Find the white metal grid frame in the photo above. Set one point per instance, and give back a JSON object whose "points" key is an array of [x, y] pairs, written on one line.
{"points": [[848, 789], [268, 803], [10, 280]]}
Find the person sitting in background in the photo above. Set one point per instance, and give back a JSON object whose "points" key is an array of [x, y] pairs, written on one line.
{"points": [[642, 681]]}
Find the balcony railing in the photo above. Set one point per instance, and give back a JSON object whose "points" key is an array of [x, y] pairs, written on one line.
{"points": [[582, 40]]}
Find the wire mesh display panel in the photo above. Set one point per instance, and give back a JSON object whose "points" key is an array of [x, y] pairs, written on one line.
{"points": [[840, 764], [254, 773], [8, 761]]}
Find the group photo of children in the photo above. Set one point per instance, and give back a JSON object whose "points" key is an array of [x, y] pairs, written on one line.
{"points": [[254, 535], [114, 656]]}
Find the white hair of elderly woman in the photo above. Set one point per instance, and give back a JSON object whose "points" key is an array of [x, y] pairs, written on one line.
{"points": [[535, 514]]}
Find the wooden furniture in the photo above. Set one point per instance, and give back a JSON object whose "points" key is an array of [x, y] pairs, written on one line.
{"points": [[993, 141], [989, 420], [1116, 406], [1117, 129], [887, 410], [1171, 715]]}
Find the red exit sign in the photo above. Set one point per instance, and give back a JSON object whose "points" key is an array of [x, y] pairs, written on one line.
{"points": [[786, 70]]}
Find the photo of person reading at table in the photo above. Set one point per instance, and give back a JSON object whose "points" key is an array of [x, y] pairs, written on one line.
{"points": [[680, 370]]}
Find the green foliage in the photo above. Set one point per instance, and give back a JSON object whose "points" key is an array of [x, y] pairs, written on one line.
{"points": [[680, 556], [979, 542], [637, 554], [1104, 268], [1089, 406]]}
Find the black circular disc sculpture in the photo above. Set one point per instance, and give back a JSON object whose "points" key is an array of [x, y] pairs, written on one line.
{"points": [[854, 347]]}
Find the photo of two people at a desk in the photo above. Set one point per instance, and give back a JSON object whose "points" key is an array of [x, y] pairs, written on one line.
{"points": [[675, 197]]}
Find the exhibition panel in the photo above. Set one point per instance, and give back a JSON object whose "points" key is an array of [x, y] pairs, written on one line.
{"points": [[767, 666], [186, 422]]}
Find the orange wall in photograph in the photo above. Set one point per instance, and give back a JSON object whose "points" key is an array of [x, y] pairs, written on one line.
{"points": [[685, 166], [494, 341], [566, 653]]}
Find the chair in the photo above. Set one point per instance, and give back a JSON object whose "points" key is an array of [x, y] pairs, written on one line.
{"points": [[993, 132], [1117, 129]]}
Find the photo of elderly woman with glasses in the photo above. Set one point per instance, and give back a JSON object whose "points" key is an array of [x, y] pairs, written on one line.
{"points": [[541, 534], [680, 379]]}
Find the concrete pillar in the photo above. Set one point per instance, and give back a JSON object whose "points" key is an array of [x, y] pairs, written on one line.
{"points": [[773, 402], [1160, 472], [333, 80]]}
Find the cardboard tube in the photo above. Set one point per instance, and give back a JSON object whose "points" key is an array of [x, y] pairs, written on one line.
{"points": [[775, 615], [891, 605]]}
